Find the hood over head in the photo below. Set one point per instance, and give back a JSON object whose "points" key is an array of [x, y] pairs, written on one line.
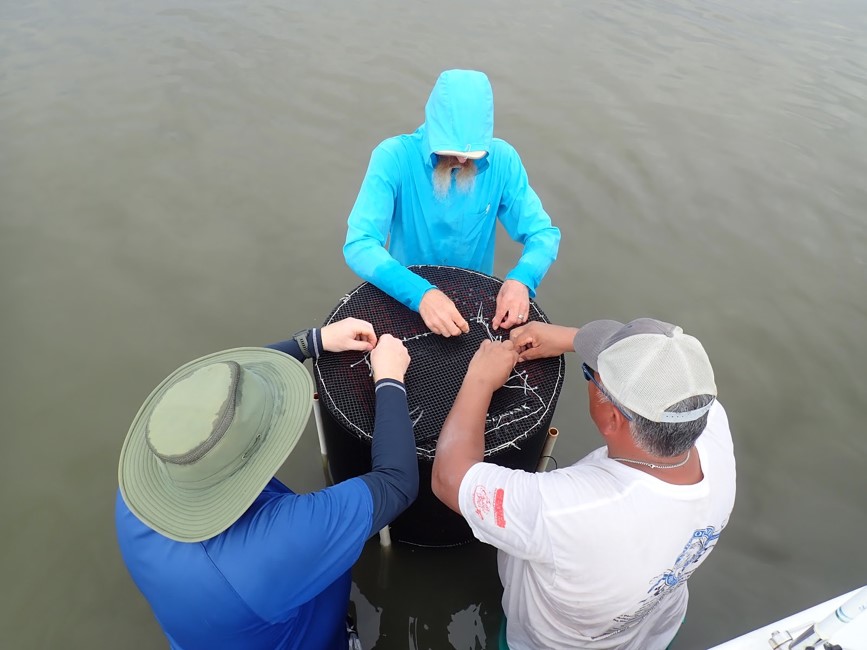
{"points": [[459, 115]]}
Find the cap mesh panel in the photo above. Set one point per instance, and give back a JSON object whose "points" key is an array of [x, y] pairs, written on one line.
{"points": [[649, 373]]}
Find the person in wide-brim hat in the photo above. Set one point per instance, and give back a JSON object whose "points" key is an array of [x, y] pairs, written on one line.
{"points": [[210, 437], [224, 553]]}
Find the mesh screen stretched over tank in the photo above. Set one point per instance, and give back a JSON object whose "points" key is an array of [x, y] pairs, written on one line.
{"points": [[518, 409]]}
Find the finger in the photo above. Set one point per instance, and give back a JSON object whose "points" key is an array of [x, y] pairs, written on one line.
{"points": [[530, 353], [441, 328], [500, 314], [360, 345], [460, 323], [366, 333], [452, 326], [454, 322], [514, 317], [507, 345], [518, 335], [522, 339]]}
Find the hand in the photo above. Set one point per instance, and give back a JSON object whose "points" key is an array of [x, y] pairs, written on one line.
{"points": [[440, 314], [513, 305], [348, 334], [492, 364], [389, 359], [538, 340]]}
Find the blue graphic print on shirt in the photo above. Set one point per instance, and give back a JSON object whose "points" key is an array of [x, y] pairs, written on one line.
{"points": [[701, 542], [699, 545]]}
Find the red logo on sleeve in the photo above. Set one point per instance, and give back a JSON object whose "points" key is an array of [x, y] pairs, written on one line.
{"points": [[481, 501], [498, 508]]}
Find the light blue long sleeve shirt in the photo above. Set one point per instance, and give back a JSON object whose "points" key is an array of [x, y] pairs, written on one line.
{"points": [[397, 206]]}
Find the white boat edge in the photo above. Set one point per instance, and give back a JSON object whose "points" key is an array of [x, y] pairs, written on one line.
{"points": [[852, 636]]}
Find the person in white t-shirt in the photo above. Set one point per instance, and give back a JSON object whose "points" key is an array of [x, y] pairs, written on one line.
{"points": [[597, 555]]}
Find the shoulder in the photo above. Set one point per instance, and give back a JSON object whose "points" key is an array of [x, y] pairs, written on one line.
{"points": [[504, 158], [398, 146], [504, 154], [486, 483], [717, 452], [393, 155], [500, 147], [717, 432]]}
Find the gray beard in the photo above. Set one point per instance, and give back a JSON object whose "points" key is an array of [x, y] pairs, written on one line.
{"points": [[442, 176]]}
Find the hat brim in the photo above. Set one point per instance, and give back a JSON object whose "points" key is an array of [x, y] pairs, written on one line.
{"points": [[471, 155], [591, 339], [189, 515]]}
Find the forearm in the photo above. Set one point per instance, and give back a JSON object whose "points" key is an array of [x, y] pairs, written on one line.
{"points": [[290, 347], [371, 262], [461, 442], [540, 251], [393, 479], [369, 227]]}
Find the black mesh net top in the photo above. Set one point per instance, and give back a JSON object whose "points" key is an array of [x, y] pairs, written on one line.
{"points": [[438, 364]]}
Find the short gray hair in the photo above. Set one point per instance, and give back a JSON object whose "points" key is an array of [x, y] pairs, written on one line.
{"points": [[666, 439]]}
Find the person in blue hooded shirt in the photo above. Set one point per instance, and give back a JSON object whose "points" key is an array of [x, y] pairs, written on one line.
{"points": [[434, 197]]}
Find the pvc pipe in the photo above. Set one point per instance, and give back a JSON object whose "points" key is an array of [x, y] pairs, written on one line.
{"points": [[550, 441], [317, 415], [320, 432], [385, 533]]}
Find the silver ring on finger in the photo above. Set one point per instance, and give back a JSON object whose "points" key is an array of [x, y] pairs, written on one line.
{"points": [[520, 317]]}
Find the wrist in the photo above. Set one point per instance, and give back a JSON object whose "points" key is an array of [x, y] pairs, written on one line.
{"points": [[391, 376], [519, 275], [424, 293], [480, 382], [389, 381], [569, 335], [305, 344]]}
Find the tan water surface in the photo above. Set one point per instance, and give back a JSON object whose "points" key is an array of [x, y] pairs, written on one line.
{"points": [[175, 178]]}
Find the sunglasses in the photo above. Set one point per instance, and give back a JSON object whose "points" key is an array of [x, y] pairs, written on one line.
{"points": [[589, 375]]}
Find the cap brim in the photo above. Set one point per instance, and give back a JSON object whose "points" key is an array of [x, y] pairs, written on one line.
{"points": [[195, 515], [591, 339], [471, 155]]}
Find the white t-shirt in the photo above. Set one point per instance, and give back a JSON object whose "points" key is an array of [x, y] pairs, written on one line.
{"points": [[597, 555]]}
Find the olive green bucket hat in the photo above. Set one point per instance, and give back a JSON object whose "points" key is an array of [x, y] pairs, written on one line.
{"points": [[208, 439]]}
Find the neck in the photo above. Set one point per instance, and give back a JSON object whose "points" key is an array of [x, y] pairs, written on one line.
{"points": [[683, 469]]}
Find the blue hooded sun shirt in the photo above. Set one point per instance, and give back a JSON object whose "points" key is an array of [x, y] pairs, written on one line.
{"points": [[397, 203]]}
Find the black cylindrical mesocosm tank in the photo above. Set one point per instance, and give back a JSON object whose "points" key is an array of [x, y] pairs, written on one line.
{"points": [[517, 422]]}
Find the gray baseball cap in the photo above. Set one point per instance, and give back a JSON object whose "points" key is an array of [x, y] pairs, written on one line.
{"points": [[648, 366]]}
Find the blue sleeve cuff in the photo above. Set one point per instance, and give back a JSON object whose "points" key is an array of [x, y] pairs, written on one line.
{"points": [[416, 292], [314, 342], [291, 347], [394, 383], [524, 277]]}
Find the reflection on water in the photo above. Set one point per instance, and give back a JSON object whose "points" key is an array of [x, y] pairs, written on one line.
{"points": [[175, 179], [453, 597]]}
